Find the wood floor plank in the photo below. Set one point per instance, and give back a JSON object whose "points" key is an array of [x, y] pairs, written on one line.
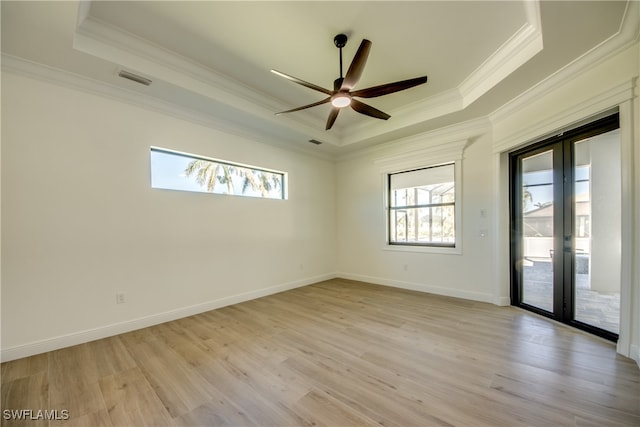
{"points": [[556, 397], [93, 419], [73, 381], [111, 356], [215, 413], [322, 409], [29, 393], [130, 400], [25, 367], [236, 386], [180, 388], [181, 340], [267, 377], [337, 353]]}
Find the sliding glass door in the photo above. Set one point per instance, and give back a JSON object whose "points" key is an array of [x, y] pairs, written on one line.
{"points": [[565, 227]]}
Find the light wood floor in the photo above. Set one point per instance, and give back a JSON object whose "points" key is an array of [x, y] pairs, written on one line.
{"points": [[338, 353]]}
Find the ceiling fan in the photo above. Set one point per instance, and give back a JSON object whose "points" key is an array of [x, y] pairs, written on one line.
{"points": [[343, 94]]}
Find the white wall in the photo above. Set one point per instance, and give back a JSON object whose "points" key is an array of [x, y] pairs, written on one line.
{"points": [[80, 221], [361, 228], [606, 215], [481, 272], [608, 83]]}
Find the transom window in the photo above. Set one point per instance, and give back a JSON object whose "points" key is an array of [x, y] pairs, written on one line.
{"points": [[173, 170], [422, 207]]}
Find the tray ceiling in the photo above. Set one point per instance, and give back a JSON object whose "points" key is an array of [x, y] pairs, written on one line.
{"points": [[212, 58]]}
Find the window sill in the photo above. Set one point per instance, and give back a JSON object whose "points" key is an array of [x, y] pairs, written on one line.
{"points": [[424, 249]]}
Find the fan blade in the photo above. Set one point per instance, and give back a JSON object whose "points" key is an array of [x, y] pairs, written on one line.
{"points": [[302, 82], [357, 66], [304, 107], [368, 110], [388, 88], [333, 115]]}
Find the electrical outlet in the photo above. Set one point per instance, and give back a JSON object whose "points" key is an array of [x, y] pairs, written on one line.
{"points": [[120, 298]]}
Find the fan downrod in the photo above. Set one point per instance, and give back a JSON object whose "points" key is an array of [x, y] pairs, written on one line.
{"points": [[340, 41]]}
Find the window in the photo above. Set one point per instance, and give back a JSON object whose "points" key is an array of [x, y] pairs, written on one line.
{"points": [[173, 170], [421, 206]]}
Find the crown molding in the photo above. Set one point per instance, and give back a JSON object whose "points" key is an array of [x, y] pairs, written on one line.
{"points": [[443, 143], [427, 156], [521, 47], [569, 117], [626, 36], [513, 53], [37, 71], [408, 115], [94, 34], [111, 43]]}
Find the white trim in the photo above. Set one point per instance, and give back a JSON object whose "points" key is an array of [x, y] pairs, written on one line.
{"points": [[634, 354], [501, 301], [432, 155], [624, 38], [80, 337], [619, 97], [520, 48], [113, 44], [569, 117], [84, 9], [523, 45], [422, 161], [457, 250], [45, 73], [501, 223], [420, 287], [441, 140], [627, 223]]}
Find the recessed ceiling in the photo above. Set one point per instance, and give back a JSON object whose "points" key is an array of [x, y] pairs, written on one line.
{"points": [[214, 57]]}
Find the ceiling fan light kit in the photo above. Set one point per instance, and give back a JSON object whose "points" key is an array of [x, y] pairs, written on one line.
{"points": [[341, 100], [343, 94]]}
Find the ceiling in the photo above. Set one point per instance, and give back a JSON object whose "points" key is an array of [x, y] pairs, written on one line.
{"points": [[211, 60]]}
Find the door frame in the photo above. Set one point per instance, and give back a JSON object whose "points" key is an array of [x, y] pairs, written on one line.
{"points": [[563, 218]]}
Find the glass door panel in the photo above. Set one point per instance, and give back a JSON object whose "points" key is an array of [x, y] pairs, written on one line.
{"points": [[597, 223], [566, 227], [537, 192]]}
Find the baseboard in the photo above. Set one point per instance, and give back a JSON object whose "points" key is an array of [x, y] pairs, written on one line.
{"points": [[421, 287], [634, 353], [80, 337], [501, 301]]}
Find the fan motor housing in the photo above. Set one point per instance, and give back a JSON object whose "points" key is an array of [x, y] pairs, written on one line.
{"points": [[340, 40]]}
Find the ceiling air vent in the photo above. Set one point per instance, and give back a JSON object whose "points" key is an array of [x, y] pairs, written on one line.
{"points": [[315, 141], [134, 77]]}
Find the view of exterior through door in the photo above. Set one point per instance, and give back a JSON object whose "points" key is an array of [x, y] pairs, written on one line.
{"points": [[566, 227]]}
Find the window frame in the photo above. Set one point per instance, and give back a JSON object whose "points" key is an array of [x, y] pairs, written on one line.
{"points": [[284, 182], [456, 248], [408, 207]]}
